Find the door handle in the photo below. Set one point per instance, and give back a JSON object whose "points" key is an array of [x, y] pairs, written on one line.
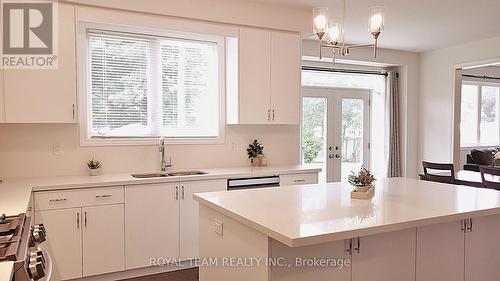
{"points": [[269, 115], [469, 227], [177, 193], [85, 220], [273, 114], [78, 220], [182, 192], [349, 249]]}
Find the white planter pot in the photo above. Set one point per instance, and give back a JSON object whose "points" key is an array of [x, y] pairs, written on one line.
{"points": [[95, 172]]}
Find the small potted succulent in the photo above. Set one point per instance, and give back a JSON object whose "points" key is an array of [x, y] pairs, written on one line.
{"points": [[255, 152], [95, 167], [362, 181]]}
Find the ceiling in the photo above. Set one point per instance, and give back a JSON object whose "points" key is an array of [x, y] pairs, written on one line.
{"points": [[414, 25]]}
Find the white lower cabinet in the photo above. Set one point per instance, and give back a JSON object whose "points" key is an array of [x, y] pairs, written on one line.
{"points": [[87, 238], [103, 239], [296, 179], [151, 223], [64, 241], [161, 221], [482, 249], [459, 251], [189, 241], [383, 257], [440, 252]]}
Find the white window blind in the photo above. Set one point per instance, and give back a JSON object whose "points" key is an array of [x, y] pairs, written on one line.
{"points": [[147, 86]]}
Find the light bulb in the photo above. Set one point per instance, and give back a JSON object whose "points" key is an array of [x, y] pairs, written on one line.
{"points": [[376, 22], [320, 19], [320, 23], [333, 34]]}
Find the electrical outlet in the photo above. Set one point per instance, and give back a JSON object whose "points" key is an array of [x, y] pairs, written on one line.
{"points": [[57, 149], [218, 226]]}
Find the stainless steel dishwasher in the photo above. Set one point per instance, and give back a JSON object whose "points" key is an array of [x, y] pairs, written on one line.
{"points": [[257, 182]]}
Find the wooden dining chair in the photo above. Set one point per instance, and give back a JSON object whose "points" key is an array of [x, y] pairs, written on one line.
{"points": [[492, 172], [442, 172]]}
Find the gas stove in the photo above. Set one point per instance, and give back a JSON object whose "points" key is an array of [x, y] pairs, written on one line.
{"points": [[21, 243]]}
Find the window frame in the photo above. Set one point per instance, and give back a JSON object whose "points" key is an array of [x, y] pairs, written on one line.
{"points": [[480, 85], [84, 86]]}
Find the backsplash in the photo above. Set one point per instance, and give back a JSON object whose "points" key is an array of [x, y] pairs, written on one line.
{"points": [[32, 150]]}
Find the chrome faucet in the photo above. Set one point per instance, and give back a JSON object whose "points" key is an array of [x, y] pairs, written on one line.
{"points": [[163, 150]]}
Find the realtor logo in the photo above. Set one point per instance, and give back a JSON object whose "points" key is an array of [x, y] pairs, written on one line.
{"points": [[28, 34]]}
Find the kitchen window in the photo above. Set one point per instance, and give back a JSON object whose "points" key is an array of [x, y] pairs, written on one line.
{"points": [[141, 86], [480, 110]]}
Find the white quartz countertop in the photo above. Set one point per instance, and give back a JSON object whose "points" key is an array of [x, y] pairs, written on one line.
{"points": [[314, 214], [15, 193], [6, 270]]}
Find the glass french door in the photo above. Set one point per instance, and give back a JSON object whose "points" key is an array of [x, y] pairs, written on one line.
{"points": [[336, 130]]}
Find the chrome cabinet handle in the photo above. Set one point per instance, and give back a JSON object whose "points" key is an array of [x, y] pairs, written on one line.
{"points": [[268, 114], [358, 248], [78, 220], [464, 225], [58, 200], [273, 114], [85, 220], [104, 196], [73, 111], [469, 227], [299, 180], [182, 192], [349, 250], [176, 192]]}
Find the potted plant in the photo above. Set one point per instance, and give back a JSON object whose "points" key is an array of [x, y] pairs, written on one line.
{"points": [[95, 167], [362, 181], [255, 152]]}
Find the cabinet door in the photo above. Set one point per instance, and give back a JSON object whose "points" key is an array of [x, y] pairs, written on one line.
{"points": [[46, 96], [64, 241], [189, 214], [255, 76], [285, 77], [151, 223], [482, 250], [297, 272], [383, 257], [440, 252], [103, 239]]}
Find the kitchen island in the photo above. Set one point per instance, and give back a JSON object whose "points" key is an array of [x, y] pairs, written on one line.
{"points": [[409, 230]]}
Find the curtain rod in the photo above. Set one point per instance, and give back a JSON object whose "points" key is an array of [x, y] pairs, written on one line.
{"points": [[481, 77], [339, 70]]}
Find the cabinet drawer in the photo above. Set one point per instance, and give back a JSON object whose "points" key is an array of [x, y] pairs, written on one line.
{"points": [[59, 199], [295, 179]]}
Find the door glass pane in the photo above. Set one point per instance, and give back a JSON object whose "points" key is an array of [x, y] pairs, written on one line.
{"points": [[314, 131], [469, 115], [489, 115], [352, 136]]}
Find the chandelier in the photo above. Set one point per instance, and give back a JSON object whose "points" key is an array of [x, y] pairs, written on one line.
{"points": [[333, 31]]}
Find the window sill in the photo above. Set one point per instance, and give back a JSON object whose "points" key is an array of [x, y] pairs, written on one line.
{"points": [[469, 147], [148, 141]]}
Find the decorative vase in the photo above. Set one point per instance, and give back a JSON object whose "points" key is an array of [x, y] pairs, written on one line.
{"points": [[95, 172], [256, 161]]}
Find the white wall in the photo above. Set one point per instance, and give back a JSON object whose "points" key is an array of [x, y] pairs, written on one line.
{"points": [[408, 68], [26, 150], [437, 97]]}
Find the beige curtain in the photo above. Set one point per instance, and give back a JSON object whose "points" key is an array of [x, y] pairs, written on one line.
{"points": [[393, 121]]}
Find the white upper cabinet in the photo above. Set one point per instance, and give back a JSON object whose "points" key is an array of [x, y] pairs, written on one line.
{"points": [[285, 77], [255, 76], [45, 96], [266, 89]]}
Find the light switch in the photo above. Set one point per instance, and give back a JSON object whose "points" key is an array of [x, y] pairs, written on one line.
{"points": [[218, 226]]}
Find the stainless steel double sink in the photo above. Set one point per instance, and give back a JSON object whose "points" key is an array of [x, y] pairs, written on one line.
{"points": [[168, 174]]}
